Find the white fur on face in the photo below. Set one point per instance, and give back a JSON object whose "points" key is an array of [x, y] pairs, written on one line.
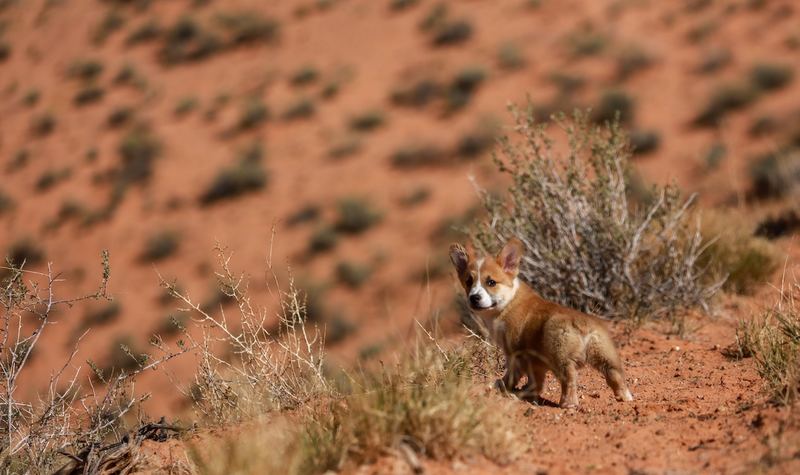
{"points": [[485, 300]]}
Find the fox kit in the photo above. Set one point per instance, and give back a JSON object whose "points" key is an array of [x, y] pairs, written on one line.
{"points": [[536, 335]]}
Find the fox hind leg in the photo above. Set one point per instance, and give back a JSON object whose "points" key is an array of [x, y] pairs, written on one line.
{"points": [[603, 357]]}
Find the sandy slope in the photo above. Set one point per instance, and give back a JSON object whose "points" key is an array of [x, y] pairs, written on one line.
{"points": [[692, 405]]}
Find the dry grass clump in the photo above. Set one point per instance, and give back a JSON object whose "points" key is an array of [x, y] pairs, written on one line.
{"points": [[265, 447], [733, 253], [773, 340], [587, 245], [424, 405]]}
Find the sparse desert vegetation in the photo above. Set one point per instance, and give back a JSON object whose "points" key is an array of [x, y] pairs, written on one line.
{"points": [[624, 256], [329, 151], [772, 339], [246, 176]]}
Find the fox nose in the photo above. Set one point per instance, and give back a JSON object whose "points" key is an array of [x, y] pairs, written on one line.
{"points": [[475, 299]]}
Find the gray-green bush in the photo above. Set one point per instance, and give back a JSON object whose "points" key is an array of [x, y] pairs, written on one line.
{"points": [[586, 245]]}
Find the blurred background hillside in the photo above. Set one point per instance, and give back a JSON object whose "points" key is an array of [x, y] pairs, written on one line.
{"points": [[156, 129]]}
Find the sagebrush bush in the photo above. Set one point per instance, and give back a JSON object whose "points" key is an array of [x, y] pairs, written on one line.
{"points": [[344, 148], [305, 214], [725, 99], [762, 125], [247, 176], [254, 112], [6, 202], [614, 105], [19, 160], [775, 174], [367, 121], [5, 51], [323, 239], [451, 32], [510, 57], [402, 4], [138, 149], [714, 60], [102, 315], [566, 83], [185, 106], [31, 97], [187, 41], [771, 227], [353, 274], [301, 108], [85, 70], [111, 22], [418, 155], [305, 75], [768, 77], [120, 116], [632, 60], [587, 246], [24, 251], [88, 95], [462, 87], [356, 215], [586, 42], [644, 141], [474, 143], [43, 124], [160, 245], [128, 75], [248, 27], [147, 31], [51, 177], [417, 94]]}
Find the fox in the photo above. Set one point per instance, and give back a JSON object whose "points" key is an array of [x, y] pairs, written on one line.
{"points": [[535, 335]]}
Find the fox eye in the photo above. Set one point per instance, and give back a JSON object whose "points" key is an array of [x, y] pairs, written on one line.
{"points": [[490, 282]]}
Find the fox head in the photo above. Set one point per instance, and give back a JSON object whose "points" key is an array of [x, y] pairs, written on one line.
{"points": [[490, 282]]}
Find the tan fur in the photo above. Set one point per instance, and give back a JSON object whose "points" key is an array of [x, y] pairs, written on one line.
{"points": [[537, 335]]}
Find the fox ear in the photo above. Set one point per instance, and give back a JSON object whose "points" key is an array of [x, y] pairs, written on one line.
{"points": [[459, 257], [510, 256]]}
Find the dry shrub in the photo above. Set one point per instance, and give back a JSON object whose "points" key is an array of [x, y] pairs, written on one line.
{"points": [[773, 340], [244, 368], [733, 253], [66, 418], [587, 245]]}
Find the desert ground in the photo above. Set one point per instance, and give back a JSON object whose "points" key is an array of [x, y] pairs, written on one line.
{"points": [[342, 142]]}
